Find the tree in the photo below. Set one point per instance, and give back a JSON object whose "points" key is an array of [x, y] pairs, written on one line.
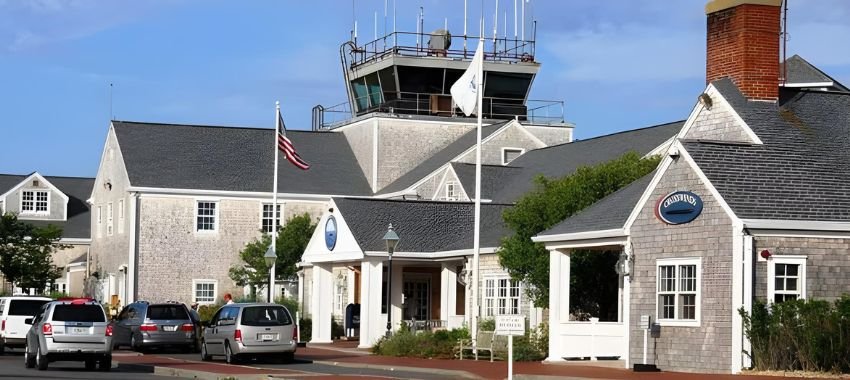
{"points": [[26, 252], [552, 201], [292, 240]]}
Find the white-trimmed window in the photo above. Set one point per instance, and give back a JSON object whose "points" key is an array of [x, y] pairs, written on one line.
{"points": [[204, 291], [451, 191], [109, 219], [678, 291], [786, 278], [120, 216], [267, 220], [207, 216], [99, 220], [35, 202], [510, 154], [501, 296]]}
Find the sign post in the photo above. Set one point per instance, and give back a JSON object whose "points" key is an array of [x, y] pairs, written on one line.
{"points": [[510, 325]]}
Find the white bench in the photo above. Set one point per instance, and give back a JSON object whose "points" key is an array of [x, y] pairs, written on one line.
{"points": [[487, 341]]}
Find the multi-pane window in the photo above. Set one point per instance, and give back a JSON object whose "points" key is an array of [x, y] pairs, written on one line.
{"points": [[207, 212], [33, 201], [267, 218], [451, 191], [786, 278], [109, 214], [99, 219], [501, 296], [678, 290], [204, 291], [120, 216]]}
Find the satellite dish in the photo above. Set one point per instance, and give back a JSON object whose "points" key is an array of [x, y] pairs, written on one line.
{"points": [[441, 39]]}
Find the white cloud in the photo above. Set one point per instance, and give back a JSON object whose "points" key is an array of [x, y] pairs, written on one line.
{"points": [[627, 53]]}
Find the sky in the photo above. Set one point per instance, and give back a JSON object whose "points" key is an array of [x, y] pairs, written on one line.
{"points": [[617, 65]]}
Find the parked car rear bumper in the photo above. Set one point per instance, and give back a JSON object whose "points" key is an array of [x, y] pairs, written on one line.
{"points": [[14, 342], [61, 348], [265, 349], [168, 340]]}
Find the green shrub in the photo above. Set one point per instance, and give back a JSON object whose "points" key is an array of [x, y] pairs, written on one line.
{"points": [[441, 344], [337, 329], [306, 329], [808, 335], [290, 303], [488, 324], [206, 312], [56, 295]]}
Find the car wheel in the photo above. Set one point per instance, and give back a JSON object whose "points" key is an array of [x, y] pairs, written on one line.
{"points": [[204, 355], [40, 360], [134, 344], [2, 348], [229, 358], [90, 364], [105, 364], [29, 360], [288, 357]]}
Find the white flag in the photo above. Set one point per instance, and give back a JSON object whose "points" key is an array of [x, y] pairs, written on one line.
{"points": [[465, 90]]}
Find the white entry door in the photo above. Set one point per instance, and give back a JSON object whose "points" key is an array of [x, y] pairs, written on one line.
{"points": [[417, 299]]}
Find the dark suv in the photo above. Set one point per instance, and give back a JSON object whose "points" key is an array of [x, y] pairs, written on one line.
{"points": [[141, 325]]}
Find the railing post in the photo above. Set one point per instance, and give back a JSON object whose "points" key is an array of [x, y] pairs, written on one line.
{"points": [[593, 332]]}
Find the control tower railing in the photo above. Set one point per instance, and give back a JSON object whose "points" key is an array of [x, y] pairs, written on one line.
{"points": [[540, 112], [417, 45]]}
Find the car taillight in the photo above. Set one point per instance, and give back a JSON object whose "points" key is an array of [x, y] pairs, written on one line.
{"points": [[237, 336], [295, 334], [47, 329], [3, 325], [147, 327], [187, 327], [108, 330]]}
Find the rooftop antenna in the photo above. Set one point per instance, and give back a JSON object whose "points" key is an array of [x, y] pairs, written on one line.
{"points": [[784, 78], [111, 114], [464, 27], [395, 36], [523, 19], [376, 26], [515, 26], [495, 25]]}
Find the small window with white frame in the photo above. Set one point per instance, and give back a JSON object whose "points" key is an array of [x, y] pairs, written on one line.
{"points": [[502, 295], [35, 202], [99, 220], [510, 154], [109, 219], [786, 278], [267, 221], [204, 291], [451, 191], [120, 216], [678, 291], [207, 216]]}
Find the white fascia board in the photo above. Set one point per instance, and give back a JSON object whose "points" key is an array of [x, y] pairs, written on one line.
{"points": [[588, 243], [810, 84], [664, 147], [379, 116], [796, 225], [698, 108], [237, 194], [662, 168], [332, 257], [615, 232]]}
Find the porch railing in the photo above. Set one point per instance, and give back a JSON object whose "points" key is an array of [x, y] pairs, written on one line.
{"points": [[592, 339]]}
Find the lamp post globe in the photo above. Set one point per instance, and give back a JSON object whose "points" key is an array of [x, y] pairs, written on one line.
{"points": [[391, 238], [271, 257]]}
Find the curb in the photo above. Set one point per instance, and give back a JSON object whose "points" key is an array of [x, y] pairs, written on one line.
{"points": [[203, 375], [447, 372]]}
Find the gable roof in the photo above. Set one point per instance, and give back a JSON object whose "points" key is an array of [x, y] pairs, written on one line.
{"points": [[440, 158], [608, 213], [77, 189], [422, 226], [492, 177], [799, 173], [564, 159], [799, 71], [236, 159]]}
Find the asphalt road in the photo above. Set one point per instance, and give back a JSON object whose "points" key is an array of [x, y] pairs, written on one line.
{"points": [[12, 367]]}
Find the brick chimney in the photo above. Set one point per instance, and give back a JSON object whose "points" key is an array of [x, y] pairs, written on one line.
{"points": [[743, 44]]}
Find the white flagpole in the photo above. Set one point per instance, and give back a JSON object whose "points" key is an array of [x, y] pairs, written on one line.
{"points": [[274, 200], [476, 239]]}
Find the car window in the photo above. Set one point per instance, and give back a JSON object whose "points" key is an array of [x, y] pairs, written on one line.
{"points": [[40, 314], [167, 312], [216, 317], [229, 314], [78, 313], [25, 307], [132, 313], [265, 316]]}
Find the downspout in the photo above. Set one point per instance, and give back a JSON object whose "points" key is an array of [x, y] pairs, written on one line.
{"points": [[132, 268]]}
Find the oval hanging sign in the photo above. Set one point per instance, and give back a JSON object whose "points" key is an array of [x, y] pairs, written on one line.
{"points": [[678, 207], [330, 233]]}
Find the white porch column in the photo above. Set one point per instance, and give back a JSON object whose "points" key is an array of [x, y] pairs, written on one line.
{"points": [[396, 290], [448, 291], [373, 323], [321, 303], [559, 301], [625, 307]]}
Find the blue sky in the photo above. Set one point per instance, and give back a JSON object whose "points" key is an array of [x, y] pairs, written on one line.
{"points": [[617, 64]]}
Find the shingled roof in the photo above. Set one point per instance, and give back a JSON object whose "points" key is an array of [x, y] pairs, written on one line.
{"points": [[492, 177], [423, 226], [236, 159], [799, 71], [564, 159], [78, 223], [801, 170]]}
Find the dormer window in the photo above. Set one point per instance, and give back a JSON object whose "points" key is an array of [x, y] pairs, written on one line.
{"points": [[510, 154], [34, 202], [451, 191]]}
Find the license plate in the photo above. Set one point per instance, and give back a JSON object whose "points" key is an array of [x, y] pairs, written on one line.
{"points": [[79, 330], [265, 337], [169, 328]]}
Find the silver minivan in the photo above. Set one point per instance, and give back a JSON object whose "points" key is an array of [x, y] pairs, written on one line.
{"points": [[245, 330]]}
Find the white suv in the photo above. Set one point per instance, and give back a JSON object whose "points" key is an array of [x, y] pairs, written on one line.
{"points": [[74, 330], [13, 312]]}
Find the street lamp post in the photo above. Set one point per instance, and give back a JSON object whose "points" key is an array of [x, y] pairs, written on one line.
{"points": [[391, 238], [271, 258]]}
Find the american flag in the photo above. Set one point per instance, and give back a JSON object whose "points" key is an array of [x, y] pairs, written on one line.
{"points": [[285, 146]]}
